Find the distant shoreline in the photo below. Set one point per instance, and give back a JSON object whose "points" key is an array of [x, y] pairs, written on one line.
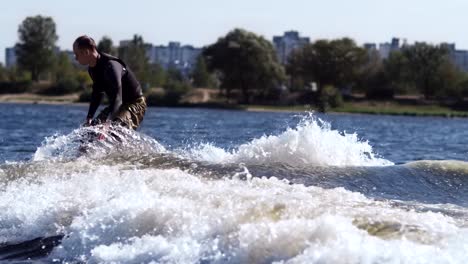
{"points": [[31, 98], [365, 107]]}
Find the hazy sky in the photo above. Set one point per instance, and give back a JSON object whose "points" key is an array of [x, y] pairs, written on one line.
{"points": [[201, 22]]}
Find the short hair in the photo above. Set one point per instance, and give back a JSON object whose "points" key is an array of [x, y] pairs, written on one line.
{"points": [[85, 42]]}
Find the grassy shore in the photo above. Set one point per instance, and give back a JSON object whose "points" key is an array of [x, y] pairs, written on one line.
{"points": [[393, 108], [32, 98], [370, 107], [364, 107]]}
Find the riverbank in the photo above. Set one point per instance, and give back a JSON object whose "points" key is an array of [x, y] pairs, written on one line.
{"points": [[362, 107], [394, 108], [371, 107], [32, 98]]}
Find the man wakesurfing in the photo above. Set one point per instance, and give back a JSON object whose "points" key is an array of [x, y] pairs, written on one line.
{"points": [[111, 76]]}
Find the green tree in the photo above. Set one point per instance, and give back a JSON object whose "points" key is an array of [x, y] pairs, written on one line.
{"points": [[424, 63], [3, 74], [463, 85], [64, 68], [245, 61], [329, 97], [201, 76], [134, 54], [35, 49], [175, 87], [83, 79], [13, 80], [369, 69], [396, 70], [106, 45], [174, 75], [372, 79], [449, 81], [388, 77], [157, 75], [64, 75], [336, 63]]}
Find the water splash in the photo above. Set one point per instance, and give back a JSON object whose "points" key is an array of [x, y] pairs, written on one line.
{"points": [[96, 141], [116, 214], [311, 142]]}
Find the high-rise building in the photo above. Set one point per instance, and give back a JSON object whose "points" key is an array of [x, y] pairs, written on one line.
{"points": [[176, 56], [370, 46], [161, 55], [287, 43], [189, 54], [458, 57], [125, 43], [386, 48], [10, 57]]}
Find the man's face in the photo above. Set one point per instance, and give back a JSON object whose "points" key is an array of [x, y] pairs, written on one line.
{"points": [[82, 55]]}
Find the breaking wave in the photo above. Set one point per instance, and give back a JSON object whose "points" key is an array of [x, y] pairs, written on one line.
{"points": [[311, 142]]}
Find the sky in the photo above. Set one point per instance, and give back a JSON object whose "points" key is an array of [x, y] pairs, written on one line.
{"points": [[202, 22]]}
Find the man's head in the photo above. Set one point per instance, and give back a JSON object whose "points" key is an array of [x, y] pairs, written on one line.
{"points": [[85, 50]]}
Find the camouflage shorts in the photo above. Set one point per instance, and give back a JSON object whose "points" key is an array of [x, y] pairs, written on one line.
{"points": [[129, 115]]}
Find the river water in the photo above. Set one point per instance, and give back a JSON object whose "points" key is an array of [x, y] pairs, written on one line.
{"points": [[220, 186]]}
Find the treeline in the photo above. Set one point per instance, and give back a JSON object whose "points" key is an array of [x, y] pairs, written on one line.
{"points": [[42, 68], [245, 68]]}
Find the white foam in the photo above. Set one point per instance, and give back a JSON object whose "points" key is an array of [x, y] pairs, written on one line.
{"points": [[312, 142], [123, 214], [66, 147]]}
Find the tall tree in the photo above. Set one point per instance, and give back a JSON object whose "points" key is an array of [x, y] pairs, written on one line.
{"points": [[157, 75], [134, 54], [424, 62], [106, 45], [3, 74], [449, 81], [397, 73], [245, 61], [325, 62], [35, 49], [64, 69], [372, 78], [201, 76]]}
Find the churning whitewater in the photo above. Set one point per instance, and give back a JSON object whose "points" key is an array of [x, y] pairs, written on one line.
{"points": [[311, 143], [276, 199]]}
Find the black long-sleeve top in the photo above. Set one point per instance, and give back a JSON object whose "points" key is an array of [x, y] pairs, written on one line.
{"points": [[112, 77]]}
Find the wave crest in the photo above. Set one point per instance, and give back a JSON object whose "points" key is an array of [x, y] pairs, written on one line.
{"points": [[311, 142]]}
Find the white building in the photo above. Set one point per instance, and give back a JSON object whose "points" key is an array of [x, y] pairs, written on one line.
{"points": [[370, 46], [124, 43], [10, 57], [287, 43], [458, 57], [189, 54], [386, 48], [174, 55], [161, 55]]}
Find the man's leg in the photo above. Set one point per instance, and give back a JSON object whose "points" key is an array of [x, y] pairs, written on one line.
{"points": [[131, 115]]}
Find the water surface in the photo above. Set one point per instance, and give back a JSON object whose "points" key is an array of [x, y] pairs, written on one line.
{"points": [[219, 186]]}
